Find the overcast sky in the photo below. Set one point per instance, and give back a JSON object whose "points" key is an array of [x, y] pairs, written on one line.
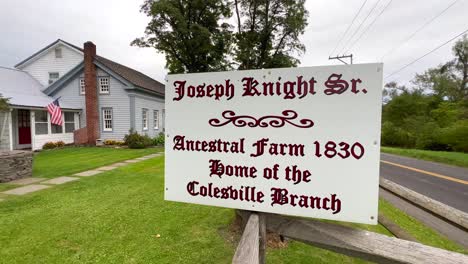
{"points": [[29, 25]]}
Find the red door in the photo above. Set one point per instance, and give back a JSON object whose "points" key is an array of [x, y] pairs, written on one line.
{"points": [[24, 127]]}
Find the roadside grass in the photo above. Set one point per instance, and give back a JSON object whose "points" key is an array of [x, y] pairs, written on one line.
{"points": [[418, 230], [451, 158], [298, 252], [70, 160], [116, 217]]}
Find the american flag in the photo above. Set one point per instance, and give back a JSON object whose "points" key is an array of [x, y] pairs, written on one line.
{"points": [[55, 112]]}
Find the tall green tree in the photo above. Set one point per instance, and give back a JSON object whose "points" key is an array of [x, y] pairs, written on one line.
{"points": [[433, 113], [268, 32], [195, 35], [449, 80], [460, 64], [190, 33]]}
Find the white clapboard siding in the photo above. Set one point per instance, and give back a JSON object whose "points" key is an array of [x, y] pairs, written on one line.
{"points": [[46, 63], [38, 141]]}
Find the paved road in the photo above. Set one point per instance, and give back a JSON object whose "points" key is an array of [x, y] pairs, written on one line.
{"points": [[444, 183]]}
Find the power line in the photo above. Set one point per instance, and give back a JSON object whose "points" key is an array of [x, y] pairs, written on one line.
{"points": [[349, 26], [419, 29], [438, 47], [360, 25], [369, 26]]}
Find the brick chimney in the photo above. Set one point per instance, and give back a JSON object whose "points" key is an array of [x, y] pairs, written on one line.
{"points": [[91, 96]]}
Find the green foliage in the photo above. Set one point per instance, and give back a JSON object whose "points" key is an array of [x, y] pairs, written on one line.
{"points": [[111, 142], [396, 136], [433, 114], [456, 136], [449, 80], [136, 141], [159, 140], [268, 33], [53, 145], [191, 33], [196, 35], [3, 103]]}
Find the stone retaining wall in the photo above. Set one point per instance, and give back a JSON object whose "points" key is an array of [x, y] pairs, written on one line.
{"points": [[15, 165]]}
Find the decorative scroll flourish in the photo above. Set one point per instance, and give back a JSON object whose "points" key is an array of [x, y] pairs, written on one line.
{"points": [[270, 120]]}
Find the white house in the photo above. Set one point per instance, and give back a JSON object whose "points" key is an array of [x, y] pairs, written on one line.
{"points": [[100, 99]]}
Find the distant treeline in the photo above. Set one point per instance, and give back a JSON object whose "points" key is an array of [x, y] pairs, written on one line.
{"points": [[432, 114]]}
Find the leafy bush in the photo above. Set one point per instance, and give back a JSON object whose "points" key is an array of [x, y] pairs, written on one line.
{"points": [[52, 145], [49, 145], [396, 136], [111, 142], [456, 136], [159, 140], [136, 141]]}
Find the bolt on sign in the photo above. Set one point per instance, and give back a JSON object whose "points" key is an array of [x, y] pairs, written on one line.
{"points": [[293, 141]]}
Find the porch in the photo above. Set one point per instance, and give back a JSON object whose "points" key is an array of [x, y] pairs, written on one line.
{"points": [[30, 128]]}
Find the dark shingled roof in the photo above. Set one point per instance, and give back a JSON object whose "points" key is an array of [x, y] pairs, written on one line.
{"points": [[135, 77]]}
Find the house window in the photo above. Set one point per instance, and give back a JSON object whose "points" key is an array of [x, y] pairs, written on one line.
{"points": [[69, 122], [58, 53], [156, 119], [104, 85], [164, 119], [41, 123], [145, 119], [53, 76], [56, 129], [107, 119], [82, 86]]}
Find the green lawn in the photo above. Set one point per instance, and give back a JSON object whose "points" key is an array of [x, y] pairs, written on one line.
{"points": [[451, 158], [70, 160], [115, 217], [419, 231], [7, 186]]}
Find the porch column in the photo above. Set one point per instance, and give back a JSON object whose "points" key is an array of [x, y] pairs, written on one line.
{"points": [[33, 129], [10, 128]]}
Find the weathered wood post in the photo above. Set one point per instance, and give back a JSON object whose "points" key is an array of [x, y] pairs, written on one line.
{"points": [[248, 250], [263, 237]]}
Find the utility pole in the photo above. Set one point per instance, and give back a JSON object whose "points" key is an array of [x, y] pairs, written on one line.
{"points": [[342, 57]]}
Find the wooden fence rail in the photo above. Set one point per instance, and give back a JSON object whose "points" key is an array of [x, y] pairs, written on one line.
{"points": [[341, 239], [451, 214]]}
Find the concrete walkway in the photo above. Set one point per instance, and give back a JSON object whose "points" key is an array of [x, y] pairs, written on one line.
{"points": [[30, 185]]}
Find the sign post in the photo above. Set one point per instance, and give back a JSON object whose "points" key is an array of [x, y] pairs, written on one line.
{"points": [[293, 141]]}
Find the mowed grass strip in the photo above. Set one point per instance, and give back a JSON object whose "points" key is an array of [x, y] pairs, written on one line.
{"points": [[70, 160], [451, 158], [419, 231], [116, 217]]}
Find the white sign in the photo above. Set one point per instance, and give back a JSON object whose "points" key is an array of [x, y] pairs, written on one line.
{"points": [[295, 141]]}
